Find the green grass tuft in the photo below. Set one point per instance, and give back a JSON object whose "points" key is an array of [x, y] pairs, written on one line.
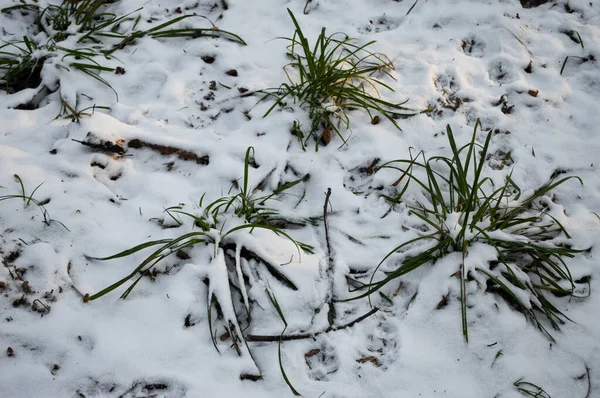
{"points": [[462, 207], [334, 75], [28, 200]]}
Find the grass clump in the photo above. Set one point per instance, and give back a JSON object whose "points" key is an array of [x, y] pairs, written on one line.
{"points": [[84, 33], [334, 75], [461, 207], [28, 200], [219, 227], [21, 62], [68, 112]]}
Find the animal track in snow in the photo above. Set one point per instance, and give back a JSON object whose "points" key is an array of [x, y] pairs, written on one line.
{"points": [[473, 46], [448, 101], [446, 83], [322, 362], [106, 169], [138, 389], [382, 346], [502, 71], [381, 23], [359, 179]]}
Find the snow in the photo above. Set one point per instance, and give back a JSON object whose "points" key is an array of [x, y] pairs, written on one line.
{"points": [[157, 342]]}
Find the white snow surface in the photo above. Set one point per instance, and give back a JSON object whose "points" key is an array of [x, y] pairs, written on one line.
{"points": [[475, 50]]}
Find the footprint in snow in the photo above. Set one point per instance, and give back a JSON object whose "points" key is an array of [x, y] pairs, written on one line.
{"points": [[322, 362], [106, 169], [473, 46], [146, 388], [382, 23], [502, 71], [448, 100], [383, 345]]}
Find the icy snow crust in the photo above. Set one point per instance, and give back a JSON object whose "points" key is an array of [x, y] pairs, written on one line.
{"points": [[470, 51]]}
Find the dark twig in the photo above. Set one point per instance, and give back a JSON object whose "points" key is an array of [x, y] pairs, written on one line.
{"points": [[301, 336], [275, 339], [413, 6], [589, 391], [305, 11], [330, 256], [330, 262]]}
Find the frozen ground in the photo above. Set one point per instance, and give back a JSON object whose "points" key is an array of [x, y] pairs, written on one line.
{"points": [[469, 59]]}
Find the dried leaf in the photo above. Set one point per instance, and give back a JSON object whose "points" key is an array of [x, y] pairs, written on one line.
{"points": [[443, 303], [326, 137], [312, 353], [370, 359]]}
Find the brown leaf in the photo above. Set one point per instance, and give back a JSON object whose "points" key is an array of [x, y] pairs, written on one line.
{"points": [[10, 352], [25, 287], [370, 359], [442, 303], [533, 93], [225, 336], [326, 136], [369, 170], [312, 353]]}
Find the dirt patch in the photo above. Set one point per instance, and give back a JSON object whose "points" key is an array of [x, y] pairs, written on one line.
{"points": [[169, 150]]}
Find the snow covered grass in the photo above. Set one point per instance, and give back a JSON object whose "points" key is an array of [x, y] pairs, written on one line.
{"points": [[461, 208], [243, 268], [87, 32], [218, 223]]}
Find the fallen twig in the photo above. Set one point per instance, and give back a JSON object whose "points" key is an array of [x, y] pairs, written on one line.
{"points": [[300, 336], [589, 390], [305, 11], [330, 261], [104, 146]]}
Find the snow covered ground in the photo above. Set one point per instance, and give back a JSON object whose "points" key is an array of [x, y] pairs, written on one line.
{"points": [[186, 130]]}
